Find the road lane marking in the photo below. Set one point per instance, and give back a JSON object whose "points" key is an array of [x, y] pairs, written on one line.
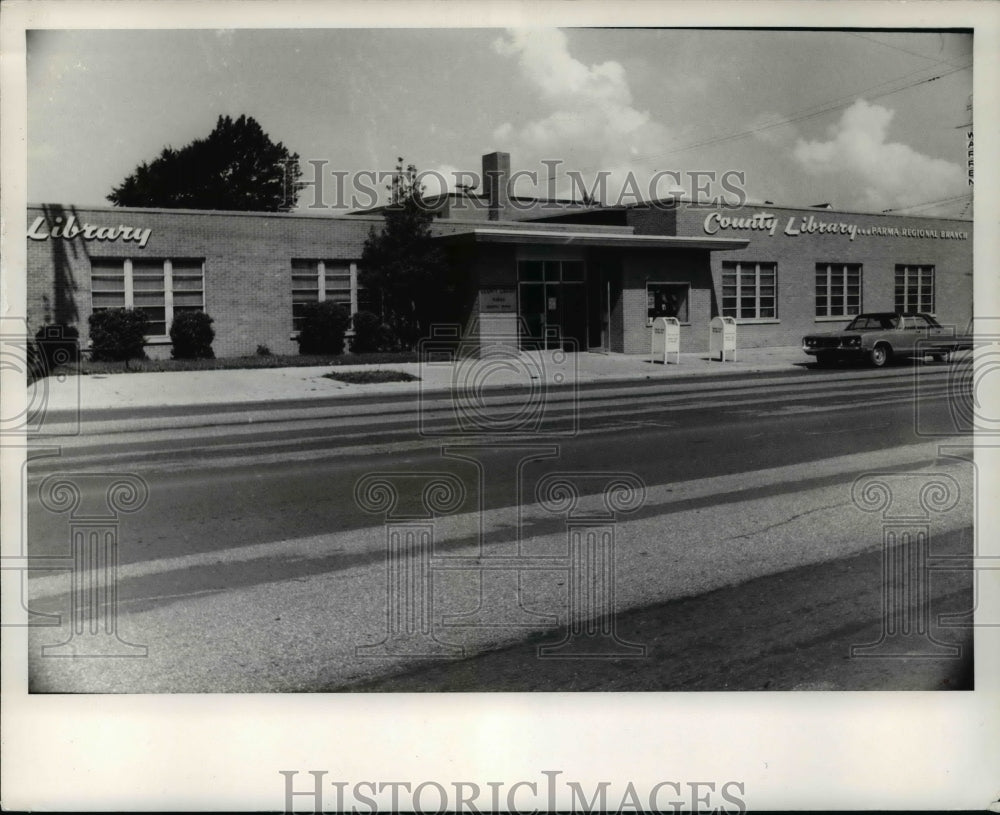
{"points": [[497, 520], [101, 458]]}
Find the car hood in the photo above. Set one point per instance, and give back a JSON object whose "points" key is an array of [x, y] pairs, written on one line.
{"points": [[845, 332]]}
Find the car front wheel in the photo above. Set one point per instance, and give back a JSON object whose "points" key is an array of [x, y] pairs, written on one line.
{"points": [[879, 355]]}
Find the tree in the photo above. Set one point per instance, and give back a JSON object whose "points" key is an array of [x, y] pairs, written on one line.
{"points": [[401, 266], [236, 166]]}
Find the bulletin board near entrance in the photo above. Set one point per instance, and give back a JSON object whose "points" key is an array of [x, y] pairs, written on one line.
{"points": [[501, 300]]}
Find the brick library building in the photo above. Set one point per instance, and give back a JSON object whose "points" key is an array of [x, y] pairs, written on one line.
{"points": [[563, 274]]}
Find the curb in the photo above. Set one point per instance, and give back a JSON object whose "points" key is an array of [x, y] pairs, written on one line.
{"points": [[353, 405]]}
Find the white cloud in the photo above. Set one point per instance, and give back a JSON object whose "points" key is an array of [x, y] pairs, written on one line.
{"points": [[439, 179], [867, 171], [587, 114]]}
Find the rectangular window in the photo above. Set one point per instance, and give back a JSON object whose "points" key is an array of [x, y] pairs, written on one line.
{"points": [[107, 283], [551, 271], [316, 281], [338, 283], [750, 290], [159, 288], [667, 300], [838, 289], [915, 288]]}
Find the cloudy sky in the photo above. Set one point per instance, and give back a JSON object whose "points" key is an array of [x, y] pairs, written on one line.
{"points": [[865, 120]]}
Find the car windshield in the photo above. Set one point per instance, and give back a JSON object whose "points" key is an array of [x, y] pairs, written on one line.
{"points": [[878, 321]]}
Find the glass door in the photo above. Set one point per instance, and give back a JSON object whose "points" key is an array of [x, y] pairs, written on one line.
{"points": [[531, 308], [552, 304]]}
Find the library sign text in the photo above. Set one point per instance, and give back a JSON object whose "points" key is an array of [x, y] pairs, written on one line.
{"points": [[811, 225], [68, 229]]}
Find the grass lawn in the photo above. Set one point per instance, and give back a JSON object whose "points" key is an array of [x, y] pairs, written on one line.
{"points": [[87, 367], [370, 377]]}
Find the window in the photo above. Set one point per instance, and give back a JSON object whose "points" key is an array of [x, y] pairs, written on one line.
{"points": [[316, 281], [551, 271], [915, 288], [838, 289], [750, 290], [667, 300], [159, 288]]}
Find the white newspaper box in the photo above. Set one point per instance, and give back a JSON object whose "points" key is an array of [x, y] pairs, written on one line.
{"points": [[722, 338], [666, 339]]}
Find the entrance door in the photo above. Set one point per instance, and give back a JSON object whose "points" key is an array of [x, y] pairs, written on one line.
{"points": [[531, 307], [573, 319], [599, 305], [552, 304]]}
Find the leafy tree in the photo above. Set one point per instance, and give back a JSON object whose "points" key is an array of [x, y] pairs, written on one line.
{"points": [[236, 166], [370, 334], [402, 267]]}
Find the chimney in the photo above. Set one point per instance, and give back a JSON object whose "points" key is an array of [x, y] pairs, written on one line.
{"points": [[496, 177]]}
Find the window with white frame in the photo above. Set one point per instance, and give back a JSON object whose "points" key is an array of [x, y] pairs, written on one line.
{"points": [[838, 289], [750, 290], [318, 281], [160, 288], [915, 288], [667, 300]]}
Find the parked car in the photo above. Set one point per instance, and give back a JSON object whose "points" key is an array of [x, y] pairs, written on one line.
{"points": [[882, 336]]}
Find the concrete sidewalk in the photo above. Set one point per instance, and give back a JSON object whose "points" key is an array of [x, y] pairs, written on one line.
{"points": [[529, 369]]}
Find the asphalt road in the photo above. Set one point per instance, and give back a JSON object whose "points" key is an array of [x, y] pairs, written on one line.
{"points": [[253, 567]]}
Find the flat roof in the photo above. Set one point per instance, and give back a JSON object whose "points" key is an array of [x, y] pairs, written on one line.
{"points": [[675, 203], [554, 237]]}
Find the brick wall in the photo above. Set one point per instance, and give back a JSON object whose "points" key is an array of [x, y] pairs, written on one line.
{"points": [[248, 266], [796, 256], [247, 283], [677, 266]]}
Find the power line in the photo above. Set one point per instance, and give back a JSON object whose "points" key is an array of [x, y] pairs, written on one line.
{"points": [[806, 113], [935, 60], [954, 198]]}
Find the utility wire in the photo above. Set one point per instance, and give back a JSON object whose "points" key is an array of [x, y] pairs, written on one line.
{"points": [[954, 198], [807, 113], [904, 50]]}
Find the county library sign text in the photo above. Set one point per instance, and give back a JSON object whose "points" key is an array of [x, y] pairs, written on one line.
{"points": [[811, 225]]}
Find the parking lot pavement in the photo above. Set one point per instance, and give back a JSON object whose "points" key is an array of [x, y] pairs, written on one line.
{"points": [[98, 392]]}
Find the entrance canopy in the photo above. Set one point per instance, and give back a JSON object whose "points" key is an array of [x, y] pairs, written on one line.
{"points": [[603, 238]]}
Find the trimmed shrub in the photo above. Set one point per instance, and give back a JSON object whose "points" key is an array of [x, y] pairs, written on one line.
{"points": [[323, 328], [371, 334], [54, 345], [118, 334], [263, 351], [191, 333]]}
